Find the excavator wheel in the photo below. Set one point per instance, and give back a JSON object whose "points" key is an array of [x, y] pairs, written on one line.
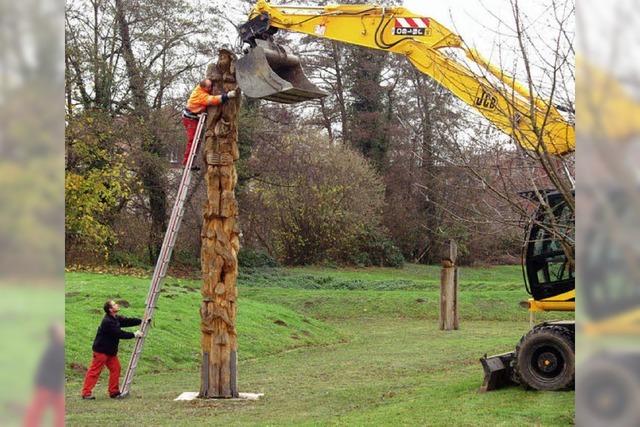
{"points": [[609, 390], [545, 358]]}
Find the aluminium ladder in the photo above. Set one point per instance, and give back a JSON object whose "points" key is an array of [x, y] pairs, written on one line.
{"points": [[162, 263]]}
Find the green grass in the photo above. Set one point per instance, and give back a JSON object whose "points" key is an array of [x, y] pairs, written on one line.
{"points": [[410, 277], [371, 354], [411, 292], [26, 313], [174, 340]]}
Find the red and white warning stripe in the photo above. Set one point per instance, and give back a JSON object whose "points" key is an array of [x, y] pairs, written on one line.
{"points": [[412, 23]]}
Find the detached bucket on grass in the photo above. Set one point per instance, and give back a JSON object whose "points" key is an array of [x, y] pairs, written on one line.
{"points": [[270, 71], [498, 372]]}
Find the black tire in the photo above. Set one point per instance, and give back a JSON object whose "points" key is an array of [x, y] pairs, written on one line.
{"points": [[609, 392], [545, 359]]}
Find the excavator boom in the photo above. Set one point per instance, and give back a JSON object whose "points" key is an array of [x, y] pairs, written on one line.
{"points": [[271, 72]]}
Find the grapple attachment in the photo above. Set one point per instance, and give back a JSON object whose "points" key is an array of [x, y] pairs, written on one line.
{"points": [[270, 71], [498, 372]]}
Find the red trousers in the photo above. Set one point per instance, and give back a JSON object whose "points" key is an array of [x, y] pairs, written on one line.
{"points": [[42, 399], [98, 362], [190, 126]]}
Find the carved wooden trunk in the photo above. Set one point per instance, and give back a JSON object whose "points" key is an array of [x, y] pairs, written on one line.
{"points": [[220, 238]]}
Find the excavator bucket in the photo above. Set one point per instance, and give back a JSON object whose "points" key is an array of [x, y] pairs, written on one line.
{"points": [[498, 372], [269, 71]]}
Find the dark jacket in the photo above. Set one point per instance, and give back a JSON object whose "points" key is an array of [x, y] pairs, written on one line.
{"points": [[109, 333], [50, 373]]}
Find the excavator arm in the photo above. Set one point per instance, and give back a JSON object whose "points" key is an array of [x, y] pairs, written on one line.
{"points": [[534, 123], [269, 71]]}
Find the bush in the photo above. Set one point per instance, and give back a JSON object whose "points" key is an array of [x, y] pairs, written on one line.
{"points": [[253, 258], [313, 209], [127, 260], [97, 182], [187, 258], [376, 248]]}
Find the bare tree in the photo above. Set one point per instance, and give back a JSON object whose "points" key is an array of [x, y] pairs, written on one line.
{"points": [[501, 168], [135, 60]]}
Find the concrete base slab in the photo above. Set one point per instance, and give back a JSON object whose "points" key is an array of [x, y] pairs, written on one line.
{"points": [[187, 395], [192, 395]]}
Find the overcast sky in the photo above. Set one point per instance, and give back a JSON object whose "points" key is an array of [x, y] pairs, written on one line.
{"points": [[488, 26], [481, 22]]}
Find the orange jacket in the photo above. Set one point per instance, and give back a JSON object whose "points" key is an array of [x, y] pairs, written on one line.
{"points": [[200, 100]]}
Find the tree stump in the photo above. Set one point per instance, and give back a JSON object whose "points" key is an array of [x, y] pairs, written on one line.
{"points": [[449, 288], [220, 238]]}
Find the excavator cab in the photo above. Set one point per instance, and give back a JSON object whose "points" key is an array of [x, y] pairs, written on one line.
{"points": [[544, 358], [270, 71], [548, 270]]}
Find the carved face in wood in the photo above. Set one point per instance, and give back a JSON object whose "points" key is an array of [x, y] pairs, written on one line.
{"points": [[224, 59]]}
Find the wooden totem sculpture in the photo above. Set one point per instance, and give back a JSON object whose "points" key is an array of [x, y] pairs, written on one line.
{"points": [[220, 238]]}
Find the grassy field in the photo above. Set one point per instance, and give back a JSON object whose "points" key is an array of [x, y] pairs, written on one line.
{"points": [[26, 312], [326, 346]]}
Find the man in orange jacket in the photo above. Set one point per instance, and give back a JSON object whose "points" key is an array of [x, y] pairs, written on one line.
{"points": [[198, 102]]}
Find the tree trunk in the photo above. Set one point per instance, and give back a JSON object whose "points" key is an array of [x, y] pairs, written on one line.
{"points": [[220, 239], [151, 169], [428, 174], [136, 79], [340, 91]]}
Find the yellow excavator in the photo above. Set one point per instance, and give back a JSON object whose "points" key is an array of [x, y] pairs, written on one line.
{"points": [[544, 359]]}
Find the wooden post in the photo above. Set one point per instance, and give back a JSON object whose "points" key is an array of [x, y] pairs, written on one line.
{"points": [[220, 238], [449, 288]]}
